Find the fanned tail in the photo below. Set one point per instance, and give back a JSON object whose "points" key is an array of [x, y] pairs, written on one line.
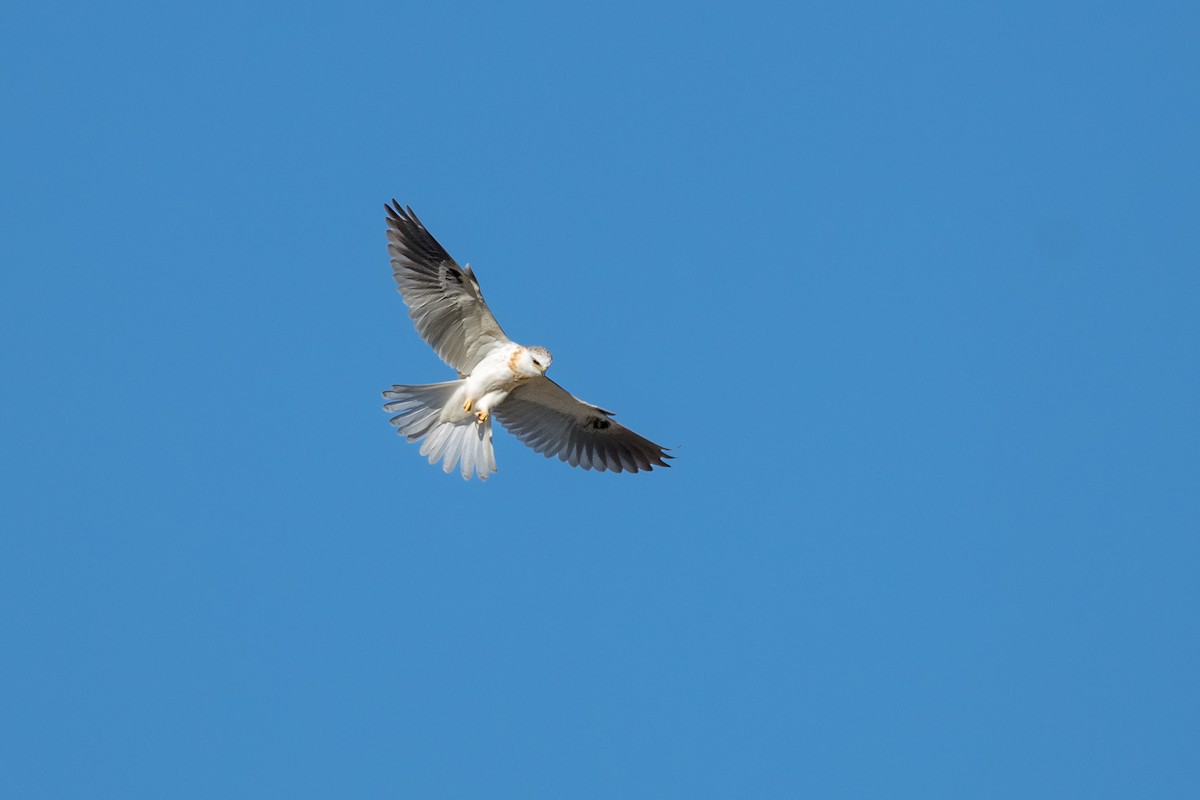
{"points": [[418, 411]]}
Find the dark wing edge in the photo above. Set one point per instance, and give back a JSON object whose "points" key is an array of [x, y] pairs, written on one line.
{"points": [[444, 299], [553, 422]]}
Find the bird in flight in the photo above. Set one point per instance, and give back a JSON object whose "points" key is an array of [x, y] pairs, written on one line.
{"points": [[497, 378]]}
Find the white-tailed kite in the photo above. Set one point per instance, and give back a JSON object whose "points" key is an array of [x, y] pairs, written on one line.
{"points": [[496, 376]]}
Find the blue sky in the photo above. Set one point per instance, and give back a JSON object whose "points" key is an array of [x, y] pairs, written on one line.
{"points": [[911, 291]]}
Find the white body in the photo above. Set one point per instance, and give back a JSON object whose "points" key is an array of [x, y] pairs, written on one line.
{"points": [[455, 418], [492, 379]]}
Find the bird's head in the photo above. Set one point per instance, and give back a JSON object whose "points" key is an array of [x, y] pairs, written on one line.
{"points": [[535, 361]]}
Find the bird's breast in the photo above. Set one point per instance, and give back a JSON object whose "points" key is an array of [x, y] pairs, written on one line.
{"points": [[496, 372], [512, 360]]}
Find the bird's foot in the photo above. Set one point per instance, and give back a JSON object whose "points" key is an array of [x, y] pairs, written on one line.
{"points": [[481, 417], [467, 405]]}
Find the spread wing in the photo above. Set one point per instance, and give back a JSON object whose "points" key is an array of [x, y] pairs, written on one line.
{"points": [[443, 299], [549, 419]]}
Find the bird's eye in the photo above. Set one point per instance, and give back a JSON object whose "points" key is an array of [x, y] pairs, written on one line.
{"points": [[537, 363]]}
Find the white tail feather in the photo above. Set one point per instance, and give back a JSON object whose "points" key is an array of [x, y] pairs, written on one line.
{"points": [[418, 413]]}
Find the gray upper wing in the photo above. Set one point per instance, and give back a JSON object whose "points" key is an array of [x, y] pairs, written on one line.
{"points": [[553, 422], [443, 299]]}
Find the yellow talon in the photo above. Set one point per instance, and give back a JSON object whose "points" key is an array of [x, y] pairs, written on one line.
{"points": [[481, 417], [467, 405]]}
